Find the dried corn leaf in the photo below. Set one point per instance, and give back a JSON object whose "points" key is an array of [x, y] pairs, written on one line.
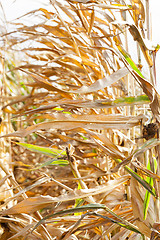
{"points": [[106, 144], [105, 82], [44, 83], [33, 204], [87, 121]]}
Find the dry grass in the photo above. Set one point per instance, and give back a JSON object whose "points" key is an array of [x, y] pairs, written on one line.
{"points": [[77, 103]]}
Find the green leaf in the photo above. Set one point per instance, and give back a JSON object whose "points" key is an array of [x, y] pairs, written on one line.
{"points": [[129, 60], [78, 201], [54, 153], [70, 211], [44, 150], [67, 112], [142, 99], [122, 224], [130, 100], [58, 109], [60, 162], [143, 182], [148, 194]]}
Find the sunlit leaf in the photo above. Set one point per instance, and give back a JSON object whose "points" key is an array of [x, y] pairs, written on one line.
{"points": [[105, 82]]}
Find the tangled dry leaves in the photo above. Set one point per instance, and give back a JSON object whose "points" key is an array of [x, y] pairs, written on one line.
{"points": [[76, 103]]}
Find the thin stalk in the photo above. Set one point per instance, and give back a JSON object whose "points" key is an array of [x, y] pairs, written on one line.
{"points": [[148, 20]]}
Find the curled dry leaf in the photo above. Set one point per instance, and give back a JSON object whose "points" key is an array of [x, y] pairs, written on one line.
{"points": [[44, 83], [152, 93], [105, 82], [106, 144]]}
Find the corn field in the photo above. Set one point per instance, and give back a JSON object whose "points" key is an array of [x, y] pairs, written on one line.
{"points": [[80, 156]]}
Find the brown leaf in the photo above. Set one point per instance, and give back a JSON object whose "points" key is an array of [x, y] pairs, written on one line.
{"points": [[66, 122], [152, 93], [106, 144], [155, 235], [44, 83], [137, 199], [29, 205], [33, 204], [105, 82]]}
